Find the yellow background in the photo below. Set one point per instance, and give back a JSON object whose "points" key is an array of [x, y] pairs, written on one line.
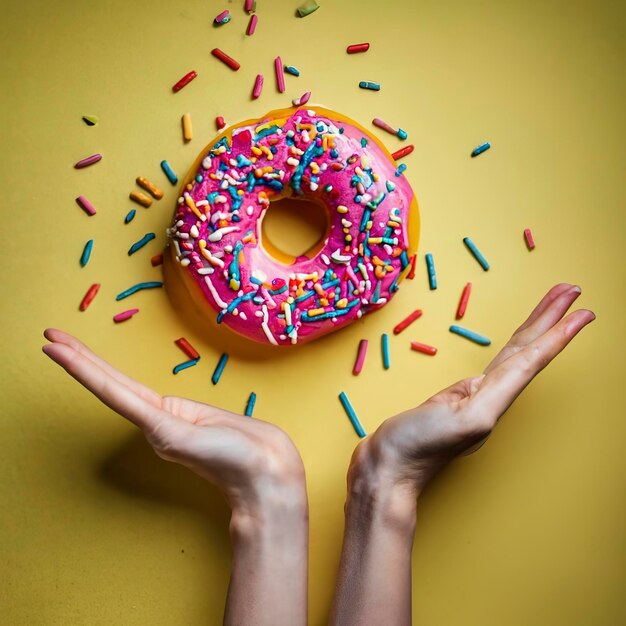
{"points": [[95, 529]]}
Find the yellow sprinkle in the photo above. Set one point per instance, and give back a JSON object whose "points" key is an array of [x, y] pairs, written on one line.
{"points": [[341, 304], [192, 205], [365, 162], [374, 240], [187, 130], [323, 302], [314, 312], [257, 151], [342, 209], [258, 129], [348, 237], [319, 290], [140, 198], [234, 284], [154, 191], [375, 177], [189, 187]]}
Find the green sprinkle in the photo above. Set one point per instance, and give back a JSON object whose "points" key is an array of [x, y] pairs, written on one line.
{"points": [[307, 8], [90, 120]]}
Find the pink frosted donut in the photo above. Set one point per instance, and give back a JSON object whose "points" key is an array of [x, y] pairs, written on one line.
{"points": [[326, 158]]}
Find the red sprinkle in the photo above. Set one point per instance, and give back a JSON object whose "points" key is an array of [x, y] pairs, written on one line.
{"points": [[222, 56], [89, 296], [219, 122], [360, 357], [409, 319], [252, 25], [460, 312], [530, 242], [398, 154], [423, 348], [280, 74], [124, 315], [157, 259], [358, 47], [185, 80], [187, 348], [411, 274]]}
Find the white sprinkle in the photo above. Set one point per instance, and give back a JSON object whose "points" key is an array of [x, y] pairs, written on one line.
{"points": [[203, 271], [216, 296], [218, 234]]}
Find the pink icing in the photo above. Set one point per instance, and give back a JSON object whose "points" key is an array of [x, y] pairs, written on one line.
{"points": [[217, 227]]}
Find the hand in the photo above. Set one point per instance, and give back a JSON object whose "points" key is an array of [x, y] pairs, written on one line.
{"points": [[253, 462], [407, 450]]}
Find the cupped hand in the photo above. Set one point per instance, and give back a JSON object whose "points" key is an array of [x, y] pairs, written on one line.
{"points": [[410, 448], [253, 462]]}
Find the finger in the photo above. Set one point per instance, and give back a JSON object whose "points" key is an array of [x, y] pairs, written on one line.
{"points": [[111, 391], [505, 382], [553, 310], [59, 336], [545, 302]]}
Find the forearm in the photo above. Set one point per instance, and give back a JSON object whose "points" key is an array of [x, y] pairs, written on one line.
{"points": [[268, 584], [374, 579]]}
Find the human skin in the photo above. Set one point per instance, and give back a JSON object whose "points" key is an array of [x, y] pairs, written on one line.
{"points": [[254, 463], [390, 468]]}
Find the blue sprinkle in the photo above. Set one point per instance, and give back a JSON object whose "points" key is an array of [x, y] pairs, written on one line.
{"points": [[366, 84], [402, 134], [472, 336], [221, 364], [401, 169], [84, 258], [432, 277], [363, 142], [165, 166], [255, 280], [130, 216], [328, 188], [199, 178], [138, 287], [141, 243], [250, 405], [347, 407], [183, 366], [480, 149], [404, 260], [290, 69], [334, 153], [385, 347], [476, 252], [390, 186]]}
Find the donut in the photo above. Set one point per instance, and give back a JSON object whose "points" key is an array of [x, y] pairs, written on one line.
{"points": [[219, 253]]}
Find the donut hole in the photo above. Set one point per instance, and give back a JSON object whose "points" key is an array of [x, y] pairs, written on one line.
{"points": [[293, 228]]}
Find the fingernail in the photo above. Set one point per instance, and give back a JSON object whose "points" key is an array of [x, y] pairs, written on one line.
{"points": [[591, 315], [577, 289]]}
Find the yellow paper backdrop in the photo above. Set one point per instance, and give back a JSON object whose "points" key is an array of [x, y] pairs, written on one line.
{"points": [[94, 528]]}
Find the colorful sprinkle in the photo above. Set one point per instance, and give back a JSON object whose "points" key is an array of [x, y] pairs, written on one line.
{"points": [[471, 335], [258, 85], [249, 6], [290, 69], [280, 75], [476, 252], [185, 80], [124, 315], [151, 188], [411, 274], [222, 18], [252, 25], [89, 296], [85, 205], [167, 170], [423, 348], [187, 129], [530, 241], [302, 100], [90, 160], [221, 364], [480, 149], [183, 366], [409, 319], [460, 312], [401, 169], [138, 287], [187, 348], [430, 266], [360, 357], [130, 216], [358, 47], [250, 405], [219, 122], [90, 120], [224, 58], [398, 154], [141, 243], [385, 346], [347, 407], [366, 84], [402, 134], [84, 258], [140, 198], [157, 260], [307, 8]]}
